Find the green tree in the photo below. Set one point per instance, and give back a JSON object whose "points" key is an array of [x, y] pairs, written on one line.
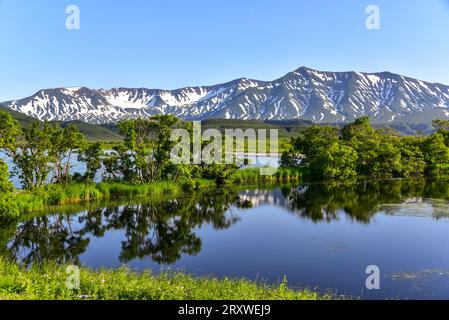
{"points": [[6, 187], [339, 162], [364, 140], [10, 129], [7, 207], [387, 163], [317, 144], [378, 151], [412, 158], [119, 165], [436, 155], [148, 141], [92, 157], [290, 159], [65, 143], [33, 154]]}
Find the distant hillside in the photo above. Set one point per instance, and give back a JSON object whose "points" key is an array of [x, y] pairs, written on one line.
{"points": [[91, 131], [287, 128], [21, 117], [408, 128]]}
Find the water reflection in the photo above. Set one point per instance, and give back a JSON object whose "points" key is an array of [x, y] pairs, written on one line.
{"points": [[322, 202], [164, 231]]}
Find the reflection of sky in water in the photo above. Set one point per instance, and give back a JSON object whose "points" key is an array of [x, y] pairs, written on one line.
{"points": [[274, 238], [261, 161], [75, 167], [271, 241], [419, 207]]}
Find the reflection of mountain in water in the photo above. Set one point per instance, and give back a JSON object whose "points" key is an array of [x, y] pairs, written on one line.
{"points": [[166, 230], [260, 197], [163, 231], [359, 202], [419, 207]]}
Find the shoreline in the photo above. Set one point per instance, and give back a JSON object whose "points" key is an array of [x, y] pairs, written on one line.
{"points": [[49, 282]]}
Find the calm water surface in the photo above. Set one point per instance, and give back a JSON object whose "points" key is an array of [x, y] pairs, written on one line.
{"points": [[318, 236]]}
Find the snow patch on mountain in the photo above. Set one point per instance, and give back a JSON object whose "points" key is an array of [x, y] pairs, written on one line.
{"points": [[304, 93]]}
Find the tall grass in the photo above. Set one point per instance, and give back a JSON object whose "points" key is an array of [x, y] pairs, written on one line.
{"points": [[52, 195], [253, 175], [58, 194], [48, 282]]}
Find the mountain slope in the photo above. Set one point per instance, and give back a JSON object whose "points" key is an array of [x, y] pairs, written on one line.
{"points": [[23, 119], [323, 97], [92, 132]]}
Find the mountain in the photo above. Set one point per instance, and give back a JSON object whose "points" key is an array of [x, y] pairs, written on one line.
{"points": [[321, 97]]}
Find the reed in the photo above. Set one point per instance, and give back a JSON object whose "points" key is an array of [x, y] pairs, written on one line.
{"points": [[253, 175], [53, 195]]}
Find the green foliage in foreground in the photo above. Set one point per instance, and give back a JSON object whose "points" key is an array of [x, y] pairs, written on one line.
{"points": [[48, 282]]}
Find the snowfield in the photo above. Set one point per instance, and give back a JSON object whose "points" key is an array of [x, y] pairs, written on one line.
{"points": [[324, 97]]}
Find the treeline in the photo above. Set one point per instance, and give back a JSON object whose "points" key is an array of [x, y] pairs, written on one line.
{"points": [[43, 153], [358, 150], [43, 156]]}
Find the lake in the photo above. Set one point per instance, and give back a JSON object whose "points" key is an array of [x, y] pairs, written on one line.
{"points": [[319, 236]]}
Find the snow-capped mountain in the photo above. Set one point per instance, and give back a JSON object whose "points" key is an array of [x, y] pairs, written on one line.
{"points": [[324, 97]]}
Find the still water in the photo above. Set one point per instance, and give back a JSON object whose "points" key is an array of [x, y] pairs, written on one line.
{"points": [[318, 236]]}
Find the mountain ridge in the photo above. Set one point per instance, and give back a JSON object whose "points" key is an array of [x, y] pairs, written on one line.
{"points": [[308, 94]]}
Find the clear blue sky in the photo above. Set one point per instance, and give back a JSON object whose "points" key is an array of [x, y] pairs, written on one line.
{"points": [[170, 44]]}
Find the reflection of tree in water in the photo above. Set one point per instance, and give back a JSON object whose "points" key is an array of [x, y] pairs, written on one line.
{"points": [[47, 238], [163, 231], [321, 202]]}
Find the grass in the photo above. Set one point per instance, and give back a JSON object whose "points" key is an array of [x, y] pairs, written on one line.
{"points": [[48, 282], [253, 175], [52, 195], [59, 194]]}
